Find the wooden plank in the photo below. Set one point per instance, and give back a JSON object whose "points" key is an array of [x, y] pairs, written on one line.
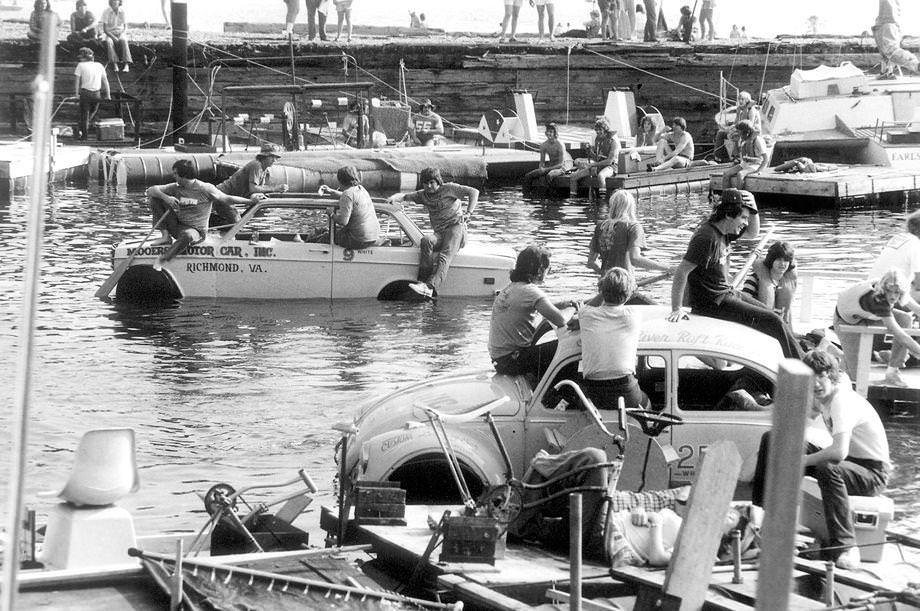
{"points": [[784, 474], [642, 575], [698, 540], [480, 595]]}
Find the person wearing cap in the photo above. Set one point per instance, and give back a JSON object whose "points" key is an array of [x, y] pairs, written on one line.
{"points": [[753, 157], [704, 270], [426, 127], [602, 159], [82, 24], [188, 203], [114, 25], [252, 178], [675, 148], [91, 86], [515, 317], [448, 221], [356, 215]]}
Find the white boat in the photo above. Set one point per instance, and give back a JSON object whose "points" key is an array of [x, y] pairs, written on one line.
{"points": [[843, 115], [282, 248]]}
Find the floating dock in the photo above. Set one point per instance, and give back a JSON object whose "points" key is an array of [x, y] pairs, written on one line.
{"points": [[845, 186], [16, 159], [643, 184]]}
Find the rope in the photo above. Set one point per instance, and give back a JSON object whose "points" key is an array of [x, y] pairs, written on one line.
{"points": [[653, 74], [764, 75]]}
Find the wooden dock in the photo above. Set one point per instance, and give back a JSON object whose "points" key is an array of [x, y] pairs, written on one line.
{"points": [[845, 186], [644, 184], [68, 163]]}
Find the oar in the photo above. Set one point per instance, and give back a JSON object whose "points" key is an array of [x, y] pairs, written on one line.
{"points": [[119, 271], [742, 273], [652, 279]]}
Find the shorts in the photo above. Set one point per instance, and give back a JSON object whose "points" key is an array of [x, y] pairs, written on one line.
{"points": [[543, 2], [604, 393], [516, 3]]}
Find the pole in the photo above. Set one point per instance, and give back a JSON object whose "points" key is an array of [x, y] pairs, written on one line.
{"points": [[179, 15], [43, 95], [575, 529]]}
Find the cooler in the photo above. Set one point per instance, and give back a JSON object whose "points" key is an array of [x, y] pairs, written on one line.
{"points": [[871, 515], [110, 129]]}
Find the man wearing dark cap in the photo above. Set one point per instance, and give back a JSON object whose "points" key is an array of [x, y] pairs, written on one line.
{"points": [[91, 85], [254, 177], [426, 127], [704, 269], [448, 220]]}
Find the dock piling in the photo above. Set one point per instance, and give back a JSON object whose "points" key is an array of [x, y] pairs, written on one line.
{"points": [[575, 551], [179, 19]]}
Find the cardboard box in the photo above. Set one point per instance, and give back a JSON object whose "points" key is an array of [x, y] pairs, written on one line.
{"points": [[110, 129], [871, 515]]}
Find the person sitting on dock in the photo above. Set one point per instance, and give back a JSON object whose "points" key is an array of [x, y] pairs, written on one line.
{"points": [[752, 160], [448, 221], [357, 115], [887, 33], [91, 85], [704, 270], [602, 162], [425, 126], [82, 25], [856, 462], [254, 177], [554, 159], [675, 148], [188, 201], [618, 241], [648, 132], [773, 279], [803, 165], [609, 343], [114, 26], [619, 527], [514, 317], [870, 302], [356, 214], [36, 19], [726, 140]]}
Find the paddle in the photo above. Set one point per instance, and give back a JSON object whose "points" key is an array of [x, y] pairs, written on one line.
{"points": [[122, 267], [652, 279], [742, 273]]}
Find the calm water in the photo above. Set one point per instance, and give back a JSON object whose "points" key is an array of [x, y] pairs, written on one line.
{"points": [[247, 392]]}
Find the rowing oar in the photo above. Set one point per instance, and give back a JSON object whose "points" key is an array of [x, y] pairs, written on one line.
{"points": [[652, 279], [122, 267], [742, 273], [340, 589]]}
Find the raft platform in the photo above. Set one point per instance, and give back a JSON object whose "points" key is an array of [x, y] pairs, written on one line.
{"points": [[846, 186], [681, 181], [68, 163]]}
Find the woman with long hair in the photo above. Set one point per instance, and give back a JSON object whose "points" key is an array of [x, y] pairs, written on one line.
{"points": [[773, 279]]}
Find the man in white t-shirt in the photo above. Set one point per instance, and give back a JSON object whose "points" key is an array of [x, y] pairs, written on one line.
{"points": [[91, 85], [902, 252]]}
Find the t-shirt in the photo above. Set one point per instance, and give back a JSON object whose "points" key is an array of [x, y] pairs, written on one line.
{"points": [[849, 412], [901, 252], [114, 21], [251, 173], [356, 212], [638, 537], [609, 341], [443, 205], [613, 239], [514, 318], [708, 250], [194, 203], [859, 303], [427, 124], [91, 74], [82, 21], [759, 280]]}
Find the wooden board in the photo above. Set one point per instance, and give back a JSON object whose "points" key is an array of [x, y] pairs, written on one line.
{"points": [[664, 177], [842, 183]]}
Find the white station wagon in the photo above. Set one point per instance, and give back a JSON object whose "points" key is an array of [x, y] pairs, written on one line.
{"points": [[686, 369], [282, 248]]}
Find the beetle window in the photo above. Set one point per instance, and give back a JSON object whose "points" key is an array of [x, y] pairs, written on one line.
{"points": [[288, 224], [391, 232], [650, 373], [717, 384]]}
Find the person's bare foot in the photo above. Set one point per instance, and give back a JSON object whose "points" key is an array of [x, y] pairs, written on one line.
{"points": [[158, 264]]}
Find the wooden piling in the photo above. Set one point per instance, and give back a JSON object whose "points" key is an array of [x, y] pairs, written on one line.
{"points": [[784, 473], [575, 551], [179, 19]]}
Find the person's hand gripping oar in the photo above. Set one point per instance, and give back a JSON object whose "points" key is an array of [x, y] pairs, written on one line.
{"points": [[120, 269]]}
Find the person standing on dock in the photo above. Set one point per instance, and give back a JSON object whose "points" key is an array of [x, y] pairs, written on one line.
{"points": [[704, 270], [343, 9], [602, 161], [114, 25], [254, 177], [426, 128], [512, 10], [548, 7], [448, 221], [675, 148], [752, 160], [91, 85], [554, 159], [706, 12], [293, 8], [651, 21], [316, 18], [887, 32], [188, 202]]}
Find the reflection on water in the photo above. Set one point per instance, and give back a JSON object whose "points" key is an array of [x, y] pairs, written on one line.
{"points": [[247, 392]]}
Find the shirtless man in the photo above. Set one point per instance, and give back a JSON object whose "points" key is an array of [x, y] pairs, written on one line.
{"points": [[553, 158], [675, 148]]}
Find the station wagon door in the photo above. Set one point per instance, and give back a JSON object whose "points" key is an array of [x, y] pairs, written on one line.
{"points": [[283, 252], [718, 399], [369, 271]]}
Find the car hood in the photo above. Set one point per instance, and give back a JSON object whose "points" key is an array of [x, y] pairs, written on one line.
{"points": [[450, 395]]}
